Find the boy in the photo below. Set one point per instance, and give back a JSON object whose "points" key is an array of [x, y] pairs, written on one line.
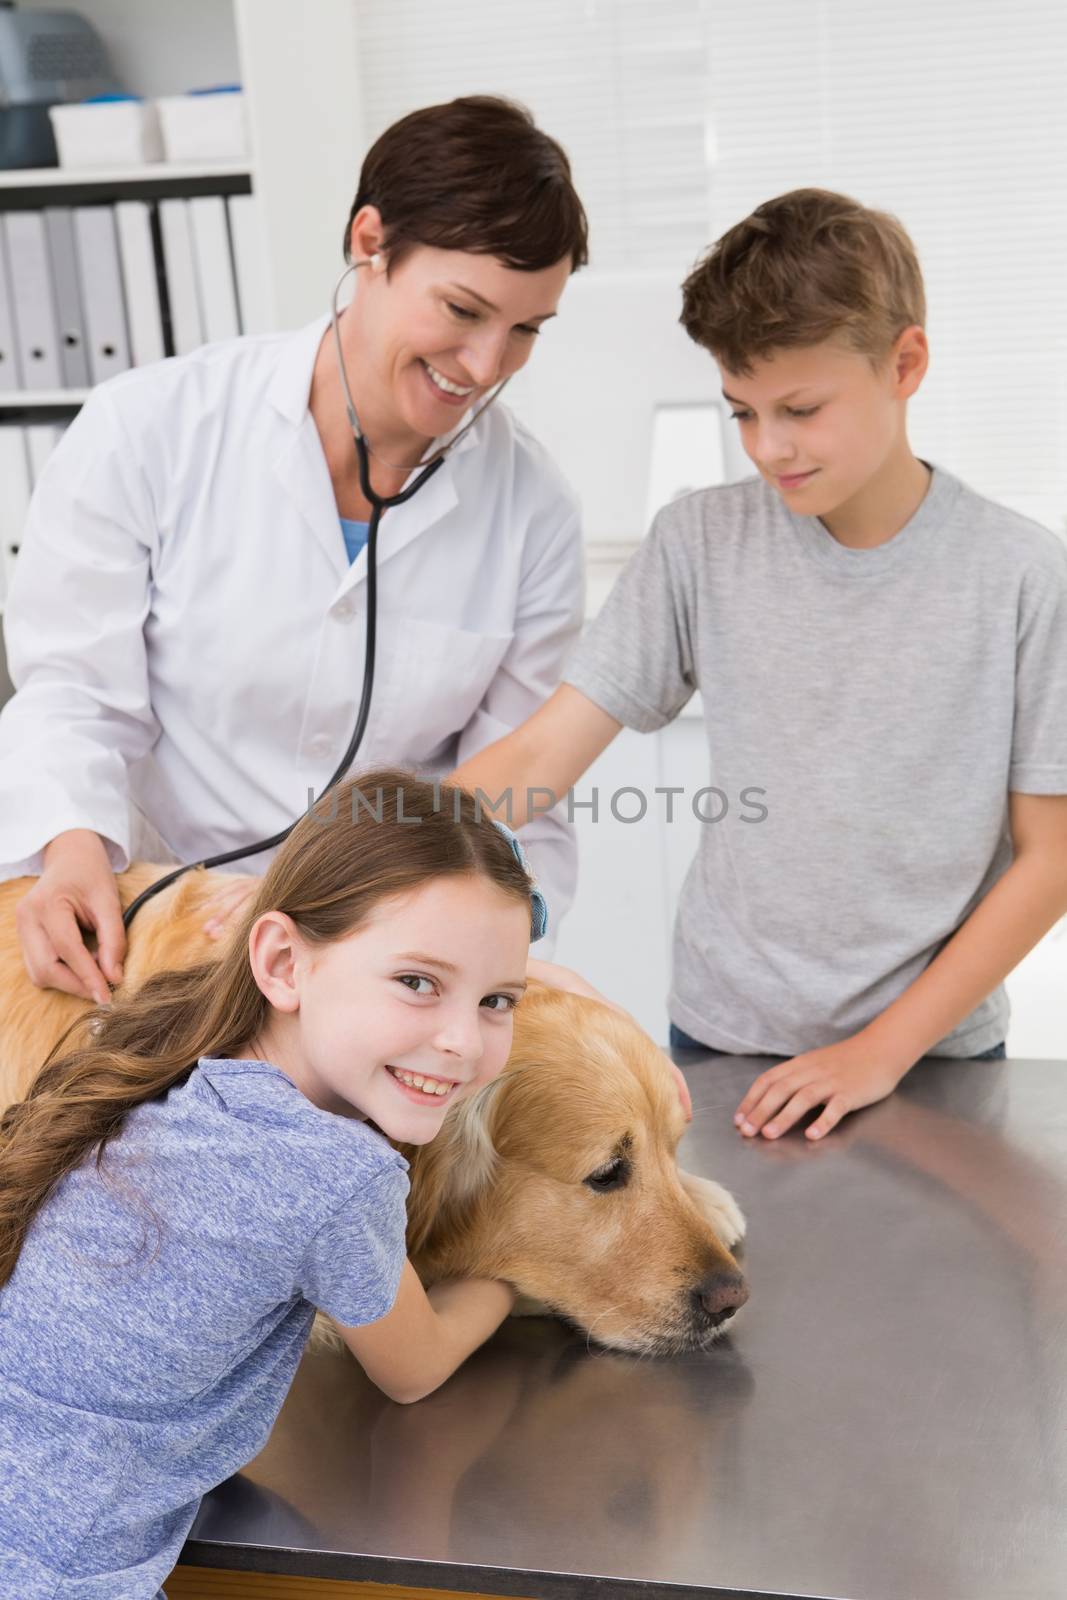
{"points": [[880, 649]]}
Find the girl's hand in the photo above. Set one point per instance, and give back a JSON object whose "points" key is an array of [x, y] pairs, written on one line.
{"points": [[226, 905], [840, 1078], [558, 977], [410, 1351]]}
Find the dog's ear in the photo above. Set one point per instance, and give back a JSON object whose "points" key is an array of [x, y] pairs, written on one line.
{"points": [[451, 1172]]}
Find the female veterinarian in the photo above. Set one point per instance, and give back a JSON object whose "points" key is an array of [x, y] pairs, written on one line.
{"points": [[156, 1298], [186, 623]]}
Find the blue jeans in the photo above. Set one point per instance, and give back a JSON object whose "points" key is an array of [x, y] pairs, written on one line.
{"points": [[682, 1041]]}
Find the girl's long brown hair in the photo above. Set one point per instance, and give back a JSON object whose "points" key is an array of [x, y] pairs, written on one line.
{"points": [[378, 835]]}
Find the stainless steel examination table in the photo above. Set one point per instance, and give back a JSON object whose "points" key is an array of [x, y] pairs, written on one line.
{"points": [[886, 1422]]}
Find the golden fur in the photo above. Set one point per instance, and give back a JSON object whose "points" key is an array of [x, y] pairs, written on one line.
{"points": [[504, 1190]]}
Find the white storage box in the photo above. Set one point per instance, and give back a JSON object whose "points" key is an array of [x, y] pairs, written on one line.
{"points": [[205, 126], [107, 133]]}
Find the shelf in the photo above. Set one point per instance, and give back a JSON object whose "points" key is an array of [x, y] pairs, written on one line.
{"points": [[117, 177], [27, 399], [33, 187]]}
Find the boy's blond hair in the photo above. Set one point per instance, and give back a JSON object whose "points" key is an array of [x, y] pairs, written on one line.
{"points": [[807, 266]]}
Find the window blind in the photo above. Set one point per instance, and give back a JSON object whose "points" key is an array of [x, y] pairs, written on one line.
{"points": [[681, 115]]}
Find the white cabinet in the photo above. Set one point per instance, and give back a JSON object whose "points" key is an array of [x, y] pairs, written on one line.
{"points": [[297, 66]]}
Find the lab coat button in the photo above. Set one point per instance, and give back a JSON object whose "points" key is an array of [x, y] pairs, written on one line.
{"points": [[344, 611], [320, 745]]}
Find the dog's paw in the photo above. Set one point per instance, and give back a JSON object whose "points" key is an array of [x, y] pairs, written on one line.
{"points": [[718, 1206]]}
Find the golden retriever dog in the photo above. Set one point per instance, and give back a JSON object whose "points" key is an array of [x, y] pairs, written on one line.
{"points": [[560, 1176]]}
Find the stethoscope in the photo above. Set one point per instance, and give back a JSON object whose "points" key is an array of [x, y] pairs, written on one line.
{"points": [[378, 504]]}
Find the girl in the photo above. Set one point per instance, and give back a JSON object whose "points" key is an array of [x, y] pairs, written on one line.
{"points": [[209, 1164]]}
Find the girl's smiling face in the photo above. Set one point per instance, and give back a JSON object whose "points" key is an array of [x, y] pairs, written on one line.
{"points": [[400, 1018]]}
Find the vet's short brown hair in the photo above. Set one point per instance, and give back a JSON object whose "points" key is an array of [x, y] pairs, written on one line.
{"points": [[474, 174], [807, 266]]}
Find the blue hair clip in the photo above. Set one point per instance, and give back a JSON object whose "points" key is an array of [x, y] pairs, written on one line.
{"points": [[538, 904]]}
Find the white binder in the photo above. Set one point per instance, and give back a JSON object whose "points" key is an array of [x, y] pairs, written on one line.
{"points": [[41, 440], [133, 219], [70, 318], [214, 267], [10, 377], [186, 326], [14, 500], [32, 304], [102, 293], [246, 236]]}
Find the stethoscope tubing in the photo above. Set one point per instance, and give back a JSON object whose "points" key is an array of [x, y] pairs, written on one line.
{"points": [[378, 504]]}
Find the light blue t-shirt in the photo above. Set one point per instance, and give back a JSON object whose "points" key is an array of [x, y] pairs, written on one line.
{"points": [[355, 536], [157, 1313]]}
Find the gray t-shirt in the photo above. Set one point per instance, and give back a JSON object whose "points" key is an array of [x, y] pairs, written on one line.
{"points": [[885, 701], [156, 1315]]}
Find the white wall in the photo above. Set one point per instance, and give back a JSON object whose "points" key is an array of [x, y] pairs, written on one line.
{"points": [[588, 392], [308, 142]]}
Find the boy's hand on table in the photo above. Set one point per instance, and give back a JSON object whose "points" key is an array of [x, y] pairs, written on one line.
{"points": [[840, 1078]]}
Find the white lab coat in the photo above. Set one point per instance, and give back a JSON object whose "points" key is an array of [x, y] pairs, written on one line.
{"points": [[186, 636]]}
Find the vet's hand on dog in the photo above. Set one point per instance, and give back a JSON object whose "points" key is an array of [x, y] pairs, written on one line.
{"points": [[75, 892], [840, 1078]]}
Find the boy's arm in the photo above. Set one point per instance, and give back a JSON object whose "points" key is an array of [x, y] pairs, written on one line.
{"points": [[635, 657], [534, 767], [1021, 907], [428, 1333]]}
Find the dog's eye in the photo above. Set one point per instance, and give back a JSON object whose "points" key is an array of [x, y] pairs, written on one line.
{"points": [[614, 1176]]}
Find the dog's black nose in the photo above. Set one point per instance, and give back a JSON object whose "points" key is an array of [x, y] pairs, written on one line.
{"points": [[718, 1296]]}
